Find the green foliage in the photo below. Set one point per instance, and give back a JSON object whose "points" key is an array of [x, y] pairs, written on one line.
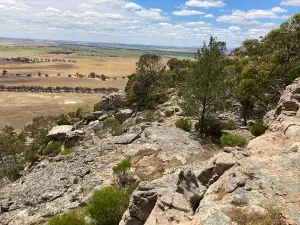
{"points": [[258, 129], [52, 148], [11, 145], [233, 140], [169, 113], [212, 127], [71, 218], [108, 205], [98, 107], [121, 170], [205, 87], [114, 126], [184, 124], [144, 88], [11, 171], [122, 167], [80, 113], [67, 151], [63, 121], [229, 125], [265, 67]]}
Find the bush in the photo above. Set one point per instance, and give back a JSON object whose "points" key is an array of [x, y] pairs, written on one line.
{"points": [[98, 107], [169, 113], [229, 125], [212, 127], [12, 172], [67, 151], [64, 121], [184, 124], [121, 170], [52, 148], [258, 129], [108, 205], [114, 126], [80, 113], [233, 140], [68, 219]]}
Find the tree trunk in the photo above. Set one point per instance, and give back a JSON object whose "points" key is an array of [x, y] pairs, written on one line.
{"points": [[203, 116]]}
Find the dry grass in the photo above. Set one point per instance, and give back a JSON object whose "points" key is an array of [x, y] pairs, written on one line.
{"points": [[273, 217], [220, 193], [149, 158], [112, 67], [18, 109], [62, 81]]}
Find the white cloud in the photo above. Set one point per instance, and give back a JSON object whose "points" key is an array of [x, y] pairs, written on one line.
{"points": [[153, 14], [197, 24], [132, 6], [205, 3], [259, 13], [278, 10], [249, 18], [234, 28], [185, 12], [51, 9], [209, 16], [290, 2]]}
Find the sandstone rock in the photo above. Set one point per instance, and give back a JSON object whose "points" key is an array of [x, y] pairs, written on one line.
{"points": [[283, 124], [114, 101]]}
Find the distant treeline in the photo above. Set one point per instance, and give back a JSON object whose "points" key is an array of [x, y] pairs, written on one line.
{"points": [[37, 89]]}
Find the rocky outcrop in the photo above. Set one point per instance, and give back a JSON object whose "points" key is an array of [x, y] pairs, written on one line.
{"points": [[283, 125], [181, 182], [115, 100], [58, 184], [206, 192]]}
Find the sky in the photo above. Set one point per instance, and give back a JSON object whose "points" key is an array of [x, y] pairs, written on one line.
{"points": [[184, 23]]}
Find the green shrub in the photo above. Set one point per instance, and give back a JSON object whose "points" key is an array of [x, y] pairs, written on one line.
{"points": [[232, 140], [122, 167], [212, 127], [12, 172], [124, 179], [98, 107], [184, 124], [80, 113], [114, 126], [169, 113], [108, 205], [229, 125], [67, 151], [71, 218], [121, 117], [258, 129], [52, 148], [63, 121]]}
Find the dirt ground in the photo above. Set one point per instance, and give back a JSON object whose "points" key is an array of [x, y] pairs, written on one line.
{"points": [[18, 109]]}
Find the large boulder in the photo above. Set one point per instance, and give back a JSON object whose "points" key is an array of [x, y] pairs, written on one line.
{"points": [[206, 194], [283, 124], [114, 101]]}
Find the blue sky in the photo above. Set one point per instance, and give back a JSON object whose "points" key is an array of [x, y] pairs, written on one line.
{"points": [[153, 22]]}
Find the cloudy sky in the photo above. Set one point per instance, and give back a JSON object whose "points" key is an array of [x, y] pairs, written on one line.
{"points": [[153, 22]]}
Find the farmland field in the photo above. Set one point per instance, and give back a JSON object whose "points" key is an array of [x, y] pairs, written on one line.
{"points": [[64, 64], [18, 109]]}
